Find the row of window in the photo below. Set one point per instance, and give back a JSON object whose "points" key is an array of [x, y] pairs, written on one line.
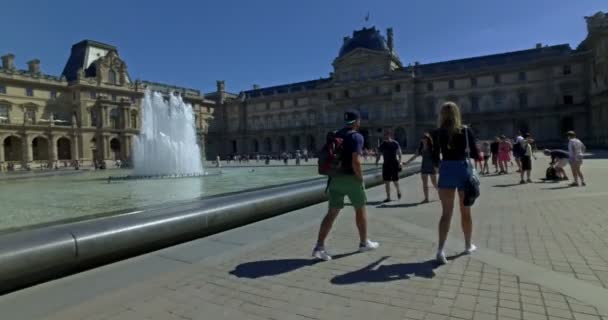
{"points": [[29, 92], [114, 118], [521, 76], [499, 100], [376, 90]]}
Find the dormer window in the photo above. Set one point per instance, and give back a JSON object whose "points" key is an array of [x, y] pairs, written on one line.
{"points": [[112, 77]]}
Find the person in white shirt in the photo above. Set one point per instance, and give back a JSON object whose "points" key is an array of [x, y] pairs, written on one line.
{"points": [[518, 149], [576, 148]]}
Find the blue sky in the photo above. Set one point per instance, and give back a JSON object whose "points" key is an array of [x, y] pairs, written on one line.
{"points": [[268, 42]]}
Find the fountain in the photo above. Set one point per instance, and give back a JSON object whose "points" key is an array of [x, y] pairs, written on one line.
{"points": [[166, 145]]}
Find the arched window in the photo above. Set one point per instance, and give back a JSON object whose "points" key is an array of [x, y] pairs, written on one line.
{"points": [[112, 77]]}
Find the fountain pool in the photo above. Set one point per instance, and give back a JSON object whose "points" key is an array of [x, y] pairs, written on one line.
{"points": [[42, 200]]}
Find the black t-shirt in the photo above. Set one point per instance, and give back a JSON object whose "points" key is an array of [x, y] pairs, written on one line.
{"points": [[389, 150], [352, 143], [454, 149], [494, 147], [559, 154]]}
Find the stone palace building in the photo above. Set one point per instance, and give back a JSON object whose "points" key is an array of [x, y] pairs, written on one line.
{"points": [[545, 90], [92, 110]]}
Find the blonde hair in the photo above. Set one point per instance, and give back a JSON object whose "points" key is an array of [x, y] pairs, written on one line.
{"points": [[450, 120]]}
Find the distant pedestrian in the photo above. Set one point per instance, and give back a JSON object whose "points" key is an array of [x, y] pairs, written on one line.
{"points": [[504, 154], [428, 167], [450, 141], [526, 159], [518, 149], [576, 149], [486, 150], [349, 182], [390, 151], [494, 150]]}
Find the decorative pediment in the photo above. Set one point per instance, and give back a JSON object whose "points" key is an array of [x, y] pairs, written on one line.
{"points": [[111, 61], [360, 54]]}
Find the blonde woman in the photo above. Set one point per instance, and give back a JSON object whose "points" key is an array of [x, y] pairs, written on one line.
{"points": [[450, 141]]}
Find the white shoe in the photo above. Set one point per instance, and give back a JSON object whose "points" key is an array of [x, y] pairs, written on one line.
{"points": [[369, 246], [441, 259], [470, 249], [321, 254]]}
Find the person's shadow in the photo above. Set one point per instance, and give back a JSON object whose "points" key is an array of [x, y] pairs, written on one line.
{"points": [[268, 268], [376, 272]]}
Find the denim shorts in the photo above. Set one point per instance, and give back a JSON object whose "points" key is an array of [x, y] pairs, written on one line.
{"points": [[453, 174]]}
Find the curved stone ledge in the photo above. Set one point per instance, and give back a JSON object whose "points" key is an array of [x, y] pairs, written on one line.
{"points": [[32, 256]]}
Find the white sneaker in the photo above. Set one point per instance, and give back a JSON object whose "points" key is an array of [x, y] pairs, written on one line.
{"points": [[470, 249], [369, 246], [441, 259], [321, 254]]}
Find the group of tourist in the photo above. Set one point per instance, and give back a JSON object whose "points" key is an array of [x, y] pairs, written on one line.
{"points": [[447, 151]]}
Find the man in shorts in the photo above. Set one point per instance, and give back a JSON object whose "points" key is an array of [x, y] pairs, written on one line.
{"points": [[559, 160], [518, 150], [391, 152], [348, 182]]}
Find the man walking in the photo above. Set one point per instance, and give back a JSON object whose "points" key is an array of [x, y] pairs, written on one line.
{"points": [[391, 152], [518, 150], [349, 182], [576, 149]]}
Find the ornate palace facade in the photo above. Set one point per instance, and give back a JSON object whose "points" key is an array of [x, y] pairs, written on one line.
{"points": [[90, 112], [546, 90]]}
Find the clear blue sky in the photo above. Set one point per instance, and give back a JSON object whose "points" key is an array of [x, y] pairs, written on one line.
{"points": [[268, 42]]}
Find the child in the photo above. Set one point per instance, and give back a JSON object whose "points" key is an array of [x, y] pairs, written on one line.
{"points": [[526, 159]]}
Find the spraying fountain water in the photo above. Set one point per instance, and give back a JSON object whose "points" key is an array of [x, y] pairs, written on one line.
{"points": [[166, 145]]}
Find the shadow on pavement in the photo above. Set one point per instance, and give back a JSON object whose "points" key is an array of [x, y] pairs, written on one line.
{"points": [[268, 268], [507, 185], [559, 188], [404, 205], [376, 272]]}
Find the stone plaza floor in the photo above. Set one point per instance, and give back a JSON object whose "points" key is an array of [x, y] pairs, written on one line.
{"points": [[543, 254]]}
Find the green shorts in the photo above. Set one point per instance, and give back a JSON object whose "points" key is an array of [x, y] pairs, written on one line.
{"points": [[346, 185]]}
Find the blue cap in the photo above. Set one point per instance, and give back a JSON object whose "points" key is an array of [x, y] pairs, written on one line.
{"points": [[351, 116]]}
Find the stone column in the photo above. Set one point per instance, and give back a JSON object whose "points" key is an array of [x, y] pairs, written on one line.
{"points": [[106, 147], [52, 150], [125, 117], [28, 152], [128, 141], [74, 146], [105, 122], [2, 153]]}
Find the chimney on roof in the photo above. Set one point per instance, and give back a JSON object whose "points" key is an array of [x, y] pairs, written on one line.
{"points": [[416, 63], [539, 45], [221, 90], [345, 39], [33, 66], [8, 61], [389, 35], [221, 85], [256, 86]]}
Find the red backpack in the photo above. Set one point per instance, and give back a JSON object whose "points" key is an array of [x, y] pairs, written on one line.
{"points": [[329, 162]]}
